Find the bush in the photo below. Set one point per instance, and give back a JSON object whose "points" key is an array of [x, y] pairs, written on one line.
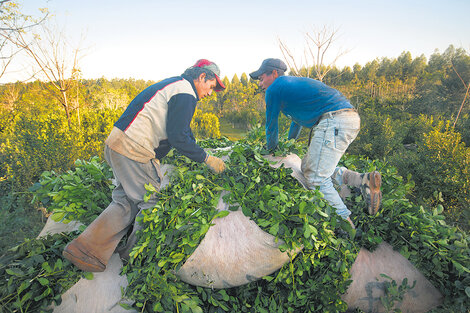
{"points": [[205, 125], [95, 127], [37, 144], [380, 136], [443, 167], [246, 118], [45, 143]]}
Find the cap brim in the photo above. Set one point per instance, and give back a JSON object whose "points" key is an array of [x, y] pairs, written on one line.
{"points": [[220, 85], [255, 75]]}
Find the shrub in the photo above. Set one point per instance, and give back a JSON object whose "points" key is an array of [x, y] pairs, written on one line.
{"points": [[246, 118], [443, 167], [37, 144], [205, 125], [95, 126], [380, 136]]}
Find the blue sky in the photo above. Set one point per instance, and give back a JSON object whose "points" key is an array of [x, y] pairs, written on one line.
{"points": [[152, 40]]}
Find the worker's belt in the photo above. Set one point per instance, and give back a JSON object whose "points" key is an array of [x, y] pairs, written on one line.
{"points": [[327, 115], [333, 113]]}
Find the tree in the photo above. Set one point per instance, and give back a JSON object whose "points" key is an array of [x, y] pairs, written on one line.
{"points": [[418, 66], [235, 80], [318, 44], [13, 22], [467, 87], [369, 71], [347, 75], [57, 62], [404, 62], [442, 86], [244, 79], [9, 95]]}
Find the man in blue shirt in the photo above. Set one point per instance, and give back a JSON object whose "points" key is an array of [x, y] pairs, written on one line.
{"points": [[334, 123]]}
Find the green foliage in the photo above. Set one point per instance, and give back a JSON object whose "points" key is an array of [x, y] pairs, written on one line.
{"points": [[463, 127], [34, 133], [38, 143], [256, 137], [205, 125], [428, 149], [277, 203], [440, 165], [316, 277], [444, 155], [421, 235], [34, 274], [211, 143], [243, 118], [394, 292], [379, 137], [80, 194], [95, 126], [391, 95], [34, 137], [241, 104], [20, 221]]}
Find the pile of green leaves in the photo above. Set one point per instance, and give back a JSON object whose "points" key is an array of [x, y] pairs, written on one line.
{"points": [[277, 202], [34, 274], [80, 194], [221, 142], [314, 279]]}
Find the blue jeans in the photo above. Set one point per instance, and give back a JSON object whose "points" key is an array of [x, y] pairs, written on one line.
{"points": [[332, 136]]}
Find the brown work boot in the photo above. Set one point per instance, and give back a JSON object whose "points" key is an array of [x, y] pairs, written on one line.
{"points": [[80, 259], [370, 189]]}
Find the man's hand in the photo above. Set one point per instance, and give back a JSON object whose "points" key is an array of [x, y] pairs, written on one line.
{"points": [[215, 164]]}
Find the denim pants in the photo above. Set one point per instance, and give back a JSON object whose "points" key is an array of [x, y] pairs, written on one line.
{"points": [[332, 136]]}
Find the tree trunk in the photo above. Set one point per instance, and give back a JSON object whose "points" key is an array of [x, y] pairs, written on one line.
{"points": [[66, 107]]}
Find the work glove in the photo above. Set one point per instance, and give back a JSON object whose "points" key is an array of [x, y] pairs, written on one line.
{"points": [[215, 164]]}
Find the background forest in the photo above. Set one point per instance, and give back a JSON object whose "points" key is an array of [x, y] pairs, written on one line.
{"points": [[414, 114]]}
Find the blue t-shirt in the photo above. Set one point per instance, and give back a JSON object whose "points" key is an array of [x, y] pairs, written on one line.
{"points": [[303, 100]]}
